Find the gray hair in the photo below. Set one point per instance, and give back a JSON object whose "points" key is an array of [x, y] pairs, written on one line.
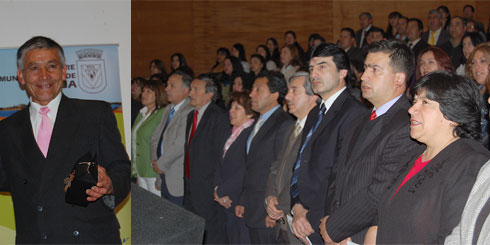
{"points": [[210, 86], [186, 78], [434, 11], [307, 84], [38, 42]]}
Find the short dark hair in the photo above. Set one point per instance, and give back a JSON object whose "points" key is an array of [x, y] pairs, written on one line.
{"points": [[458, 98], [290, 32], [464, 20], [401, 56], [39, 42], [339, 57], [350, 31], [223, 50], [366, 14], [420, 24], [313, 36], [394, 14], [469, 6], [276, 83], [376, 29]]}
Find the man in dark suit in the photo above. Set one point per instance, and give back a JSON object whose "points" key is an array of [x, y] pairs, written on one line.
{"points": [[40, 145], [366, 22], [347, 40], [326, 126], [437, 34], [263, 147], [206, 132], [372, 152], [300, 100], [414, 32]]}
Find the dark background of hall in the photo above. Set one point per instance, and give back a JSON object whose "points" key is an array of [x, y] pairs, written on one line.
{"points": [[197, 28]]}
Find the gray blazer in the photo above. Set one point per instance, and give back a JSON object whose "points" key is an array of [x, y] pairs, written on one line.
{"points": [[171, 162]]}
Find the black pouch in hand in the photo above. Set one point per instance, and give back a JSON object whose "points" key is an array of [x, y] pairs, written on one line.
{"points": [[83, 176]]}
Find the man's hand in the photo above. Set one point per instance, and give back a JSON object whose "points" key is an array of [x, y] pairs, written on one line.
{"points": [[269, 222], [300, 225], [272, 211], [239, 211], [103, 187], [155, 167]]}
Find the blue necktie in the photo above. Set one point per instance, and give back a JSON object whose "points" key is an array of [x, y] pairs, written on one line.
{"points": [[294, 180], [160, 142]]}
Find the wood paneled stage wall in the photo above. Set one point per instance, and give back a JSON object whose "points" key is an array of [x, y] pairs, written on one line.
{"points": [[197, 28]]}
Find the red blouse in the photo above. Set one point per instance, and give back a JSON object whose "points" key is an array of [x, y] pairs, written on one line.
{"points": [[417, 166]]}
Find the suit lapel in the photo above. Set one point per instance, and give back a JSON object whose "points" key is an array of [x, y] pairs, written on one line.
{"points": [[271, 121]]}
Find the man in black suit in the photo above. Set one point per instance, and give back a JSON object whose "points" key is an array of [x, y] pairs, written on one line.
{"points": [[40, 145], [437, 34], [206, 131], [300, 100], [347, 40], [366, 22], [326, 127], [263, 147], [372, 152], [414, 32]]}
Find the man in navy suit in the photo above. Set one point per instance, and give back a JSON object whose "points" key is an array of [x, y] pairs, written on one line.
{"points": [[41, 143]]}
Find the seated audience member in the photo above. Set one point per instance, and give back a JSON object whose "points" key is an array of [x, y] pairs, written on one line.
{"points": [[477, 70], [469, 42], [242, 82], [257, 65], [178, 61], [425, 200], [374, 35], [414, 30], [471, 228], [432, 59], [366, 23], [468, 11], [157, 67], [314, 40], [238, 51], [231, 66], [136, 90], [290, 39], [437, 34], [290, 60], [274, 50], [457, 28], [154, 100], [347, 40], [221, 54], [392, 29], [230, 169], [263, 50], [445, 15], [401, 28]]}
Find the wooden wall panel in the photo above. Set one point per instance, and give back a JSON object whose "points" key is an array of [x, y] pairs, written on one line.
{"points": [[197, 28]]}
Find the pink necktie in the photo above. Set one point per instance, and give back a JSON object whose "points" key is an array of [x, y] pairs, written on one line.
{"points": [[44, 132]]}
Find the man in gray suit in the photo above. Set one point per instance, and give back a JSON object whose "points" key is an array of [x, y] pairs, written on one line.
{"points": [[437, 34], [300, 99], [167, 143]]}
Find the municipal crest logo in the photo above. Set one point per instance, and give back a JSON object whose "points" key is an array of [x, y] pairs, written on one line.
{"points": [[91, 70]]}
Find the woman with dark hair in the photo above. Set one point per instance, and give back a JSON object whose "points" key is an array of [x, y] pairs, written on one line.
{"points": [[157, 67], [136, 90], [424, 202], [239, 52], [432, 59], [446, 16], [264, 51], [221, 54], [242, 82], [178, 62], [231, 67], [290, 60], [230, 170], [391, 30], [154, 100], [469, 42], [257, 65], [274, 50]]}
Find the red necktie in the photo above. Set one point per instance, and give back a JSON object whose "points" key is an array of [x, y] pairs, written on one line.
{"points": [[193, 130], [373, 115]]}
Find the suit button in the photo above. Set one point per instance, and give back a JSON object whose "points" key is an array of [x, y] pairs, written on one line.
{"points": [[44, 236], [39, 208], [25, 181], [76, 233]]}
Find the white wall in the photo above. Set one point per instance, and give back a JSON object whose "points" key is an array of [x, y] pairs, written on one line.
{"points": [[74, 22]]}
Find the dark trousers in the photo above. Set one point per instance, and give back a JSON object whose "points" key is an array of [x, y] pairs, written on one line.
{"points": [[166, 194], [235, 228], [262, 235]]}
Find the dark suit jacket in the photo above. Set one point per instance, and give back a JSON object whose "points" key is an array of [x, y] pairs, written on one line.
{"points": [[443, 37], [321, 154], [205, 150], [456, 53], [421, 45], [359, 35], [36, 183], [264, 149], [231, 169], [368, 161], [429, 205], [353, 53]]}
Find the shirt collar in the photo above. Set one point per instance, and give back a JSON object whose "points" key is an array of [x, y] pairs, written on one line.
{"points": [[329, 102], [53, 106], [386, 106], [268, 114], [177, 107]]}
